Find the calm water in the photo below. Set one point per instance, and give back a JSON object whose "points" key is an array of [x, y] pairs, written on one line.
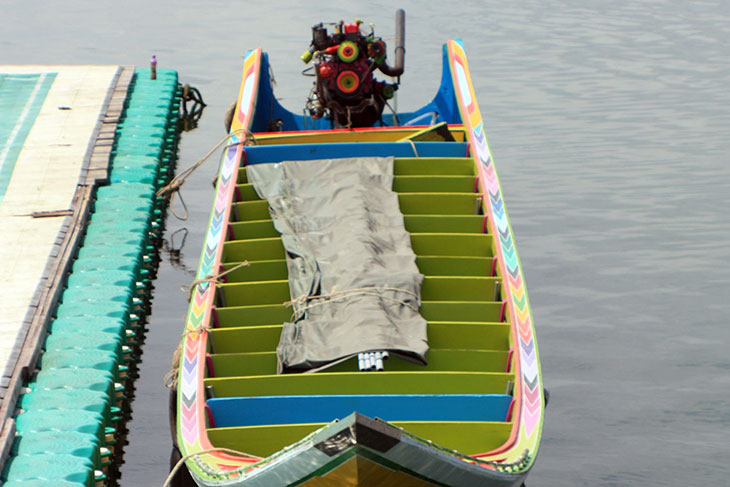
{"points": [[609, 122]]}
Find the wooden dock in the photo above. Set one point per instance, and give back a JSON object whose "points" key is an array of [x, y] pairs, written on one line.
{"points": [[83, 150], [64, 152]]}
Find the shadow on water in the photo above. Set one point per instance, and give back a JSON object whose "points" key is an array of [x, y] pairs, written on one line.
{"points": [[172, 248]]}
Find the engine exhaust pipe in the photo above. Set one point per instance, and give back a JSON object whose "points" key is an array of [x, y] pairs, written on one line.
{"points": [[400, 46]]}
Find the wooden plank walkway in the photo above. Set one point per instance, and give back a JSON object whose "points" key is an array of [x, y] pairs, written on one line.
{"points": [[80, 384], [45, 203]]}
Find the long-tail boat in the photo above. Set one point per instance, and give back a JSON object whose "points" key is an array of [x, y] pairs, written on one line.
{"points": [[359, 316]]}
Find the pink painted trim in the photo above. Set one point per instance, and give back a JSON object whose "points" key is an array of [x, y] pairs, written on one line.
{"points": [[510, 410], [247, 108], [221, 270], [209, 415], [528, 383], [214, 317], [194, 434], [209, 364]]}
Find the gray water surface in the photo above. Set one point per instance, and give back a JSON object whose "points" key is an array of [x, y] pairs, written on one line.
{"points": [[610, 128]]}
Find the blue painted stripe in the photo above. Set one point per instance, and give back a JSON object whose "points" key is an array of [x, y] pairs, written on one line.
{"points": [[21, 98], [304, 152], [264, 410]]}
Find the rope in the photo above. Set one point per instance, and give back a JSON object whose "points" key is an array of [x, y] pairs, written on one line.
{"points": [[213, 278], [173, 187], [304, 300], [395, 115], [181, 462], [176, 191], [338, 296], [413, 144], [329, 364], [170, 378]]}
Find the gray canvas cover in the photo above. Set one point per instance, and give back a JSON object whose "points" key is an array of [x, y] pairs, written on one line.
{"points": [[353, 278]]}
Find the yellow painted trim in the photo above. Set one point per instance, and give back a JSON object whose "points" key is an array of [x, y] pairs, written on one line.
{"points": [[329, 137]]}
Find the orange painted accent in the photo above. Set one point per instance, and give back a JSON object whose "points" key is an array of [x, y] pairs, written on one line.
{"points": [[249, 87]]}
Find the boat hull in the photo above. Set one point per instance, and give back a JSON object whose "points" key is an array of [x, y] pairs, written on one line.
{"points": [[475, 303], [361, 451]]}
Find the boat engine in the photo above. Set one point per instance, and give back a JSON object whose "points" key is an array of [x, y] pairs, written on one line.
{"points": [[345, 88]]}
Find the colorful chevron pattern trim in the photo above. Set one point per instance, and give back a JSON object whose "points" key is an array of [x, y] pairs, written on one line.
{"points": [[191, 426], [527, 368], [246, 95], [192, 364]]}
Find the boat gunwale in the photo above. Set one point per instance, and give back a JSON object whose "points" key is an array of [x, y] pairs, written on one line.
{"points": [[523, 330]]}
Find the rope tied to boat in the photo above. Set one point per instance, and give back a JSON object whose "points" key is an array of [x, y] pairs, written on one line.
{"points": [[173, 187], [306, 301], [170, 378], [181, 462], [213, 278], [413, 144]]}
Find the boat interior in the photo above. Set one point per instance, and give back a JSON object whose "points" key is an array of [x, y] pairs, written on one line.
{"points": [[459, 399], [462, 399], [271, 116]]}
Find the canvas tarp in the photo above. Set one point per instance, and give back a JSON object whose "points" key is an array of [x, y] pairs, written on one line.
{"points": [[353, 278]]}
